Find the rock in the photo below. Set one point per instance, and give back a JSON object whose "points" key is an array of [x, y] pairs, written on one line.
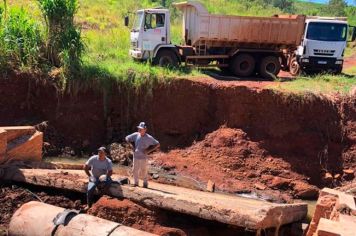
{"points": [[155, 176], [210, 186], [337, 176], [121, 153], [67, 152], [260, 186], [168, 167], [304, 190], [348, 174], [266, 178], [280, 183], [328, 178]]}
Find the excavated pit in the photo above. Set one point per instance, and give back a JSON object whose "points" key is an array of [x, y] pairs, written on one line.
{"points": [[254, 139]]}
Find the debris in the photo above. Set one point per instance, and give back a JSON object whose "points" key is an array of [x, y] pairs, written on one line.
{"points": [[121, 153], [280, 183], [328, 178], [348, 174], [210, 186], [260, 186], [155, 176], [304, 190], [333, 214]]}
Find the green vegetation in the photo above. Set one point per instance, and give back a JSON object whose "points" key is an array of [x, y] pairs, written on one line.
{"points": [[318, 84], [64, 46], [19, 40], [87, 39]]}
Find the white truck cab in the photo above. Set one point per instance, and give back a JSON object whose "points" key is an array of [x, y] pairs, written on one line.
{"points": [[323, 45], [150, 33]]}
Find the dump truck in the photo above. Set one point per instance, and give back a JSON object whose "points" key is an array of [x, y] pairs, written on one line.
{"points": [[242, 45], [323, 45]]}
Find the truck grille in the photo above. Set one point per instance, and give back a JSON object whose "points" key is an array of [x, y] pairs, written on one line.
{"points": [[134, 44], [323, 52]]}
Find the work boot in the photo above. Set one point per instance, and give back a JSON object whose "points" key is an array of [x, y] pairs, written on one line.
{"points": [[145, 185]]}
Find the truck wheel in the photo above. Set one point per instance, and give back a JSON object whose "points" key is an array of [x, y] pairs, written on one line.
{"points": [[294, 67], [166, 58], [243, 65], [270, 67], [338, 70]]}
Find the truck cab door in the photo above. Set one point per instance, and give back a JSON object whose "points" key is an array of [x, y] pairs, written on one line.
{"points": [[154, 32]]}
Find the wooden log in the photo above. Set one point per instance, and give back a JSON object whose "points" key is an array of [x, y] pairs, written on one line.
{"points": [[243, 212]]}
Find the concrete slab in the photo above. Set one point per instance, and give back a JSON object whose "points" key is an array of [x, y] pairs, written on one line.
{"points": [[20, 143], [334, 228], [14, 132], [29, 149], [243, 212], [335, 214]]}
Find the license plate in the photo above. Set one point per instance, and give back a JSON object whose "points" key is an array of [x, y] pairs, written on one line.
{"points": [[322, 62]]}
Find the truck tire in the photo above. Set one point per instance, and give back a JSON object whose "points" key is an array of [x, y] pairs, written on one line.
{"points": [[270, 67], [166, 58], [294, 67], [243, 65]]}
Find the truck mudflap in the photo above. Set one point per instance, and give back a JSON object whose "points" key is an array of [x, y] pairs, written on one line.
{"points": [[320, 63]]}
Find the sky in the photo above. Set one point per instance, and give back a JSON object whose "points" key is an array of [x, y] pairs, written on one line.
{"points": [[350, 2]]}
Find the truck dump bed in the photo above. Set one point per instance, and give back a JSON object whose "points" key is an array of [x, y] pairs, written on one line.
{"points": [[200, 27]]}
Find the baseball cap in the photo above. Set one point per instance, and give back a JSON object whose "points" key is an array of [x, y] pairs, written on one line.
{"points": [[142, 125], [102, 149]]}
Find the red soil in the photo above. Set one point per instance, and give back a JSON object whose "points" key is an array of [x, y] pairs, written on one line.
{"points": [[235, 163], [130, 214], [267, 133]]}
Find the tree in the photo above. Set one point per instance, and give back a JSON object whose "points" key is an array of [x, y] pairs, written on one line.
{"points": [[336, 7], [284, 5]]}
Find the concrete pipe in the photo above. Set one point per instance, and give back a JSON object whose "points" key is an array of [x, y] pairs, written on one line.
{"points": [[36, 219]]}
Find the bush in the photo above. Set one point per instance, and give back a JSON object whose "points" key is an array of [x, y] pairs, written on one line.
{"points": [[64, 43], [20, 39]]}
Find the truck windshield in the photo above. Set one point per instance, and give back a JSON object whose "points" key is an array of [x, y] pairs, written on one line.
{"points": [[137, 21], [326, 31]]}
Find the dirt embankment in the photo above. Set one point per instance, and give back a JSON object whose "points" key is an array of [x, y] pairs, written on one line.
{"points": [[265, 134]]}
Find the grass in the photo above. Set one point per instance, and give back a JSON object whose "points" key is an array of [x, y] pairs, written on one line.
{"points": [[324, 84], [107, 39]]}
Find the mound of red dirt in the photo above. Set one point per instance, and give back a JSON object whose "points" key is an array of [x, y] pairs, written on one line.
{"points": [[131, 214], [235, 163]]}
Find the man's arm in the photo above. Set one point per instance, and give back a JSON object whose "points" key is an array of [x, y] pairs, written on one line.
{"points": [[109, 170], [152, 148], [86, 169], [130, 139]]}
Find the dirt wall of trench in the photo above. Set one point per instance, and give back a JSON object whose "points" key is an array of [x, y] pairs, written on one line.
{"points": [[311, 132]]}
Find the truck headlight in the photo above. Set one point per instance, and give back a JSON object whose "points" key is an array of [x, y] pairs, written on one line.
{"points": [[338, 62], [306, 60]]}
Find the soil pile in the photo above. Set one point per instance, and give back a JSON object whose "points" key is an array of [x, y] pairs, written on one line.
{"points": [[236, 163]]}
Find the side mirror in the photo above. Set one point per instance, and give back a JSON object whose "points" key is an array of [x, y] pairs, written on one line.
{"points": [[127, 20], [352, 34]]}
